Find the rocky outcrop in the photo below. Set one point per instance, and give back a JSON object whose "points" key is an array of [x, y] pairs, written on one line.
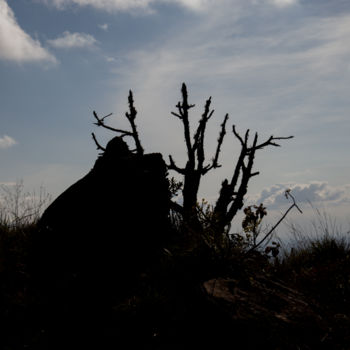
{"points": [[97, 237], [118, 211], [262, 312]]}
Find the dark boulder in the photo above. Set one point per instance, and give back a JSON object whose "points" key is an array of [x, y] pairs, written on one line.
{"points": [[117, 213], [95, 240]]}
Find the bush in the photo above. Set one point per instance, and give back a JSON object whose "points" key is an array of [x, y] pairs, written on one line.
{"points": [[318, 263]]}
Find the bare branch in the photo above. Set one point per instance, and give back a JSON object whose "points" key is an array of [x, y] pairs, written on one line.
{"points": [[99, 147], [215, 160], [100, 122], [237, 135], [232, 192], [246, 136], [183, 109], [247, 173], [228, 196], [287, 194], [176, 115], [106, 116], [220, 141], [194, 169], [173, 166], [131, 116], [270, 142], [180, 109], [239, 165], [198, 137]]}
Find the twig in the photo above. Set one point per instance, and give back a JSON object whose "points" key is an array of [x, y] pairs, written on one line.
{"points": [[100, 122], [287, 194], [173, 166], [99, 147], [215, 160], [270, 143], [131, 116]]}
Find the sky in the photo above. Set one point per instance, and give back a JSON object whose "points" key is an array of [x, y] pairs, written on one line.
{"points": [[278, 67]]}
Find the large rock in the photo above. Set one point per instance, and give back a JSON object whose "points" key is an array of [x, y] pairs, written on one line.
{"points": [[261, 312], [95, 240], [117, 213]]}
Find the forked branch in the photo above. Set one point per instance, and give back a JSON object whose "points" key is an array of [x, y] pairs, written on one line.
{"points": [[268, 234], [230, 199], [99, 147], [215, 162], [100, 122], [131, 116], [195, 168]]}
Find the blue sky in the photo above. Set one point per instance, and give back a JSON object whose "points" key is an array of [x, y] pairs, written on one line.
{"points": [[278, 67]]}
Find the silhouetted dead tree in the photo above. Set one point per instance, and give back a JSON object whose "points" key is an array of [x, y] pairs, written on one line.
{"points": [[195, 167], [232, 192]]}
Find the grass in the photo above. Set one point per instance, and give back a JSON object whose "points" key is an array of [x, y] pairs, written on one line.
{"points": [[317, 266]]}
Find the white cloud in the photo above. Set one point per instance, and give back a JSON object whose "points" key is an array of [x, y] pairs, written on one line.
{"points": [[107, 5], [15, 43], [194, 4], [262, 77], [104, 26], [261, 68], [7, 141], [146, 5], [127, 5], [110, 59], [314, 192], [284, 3], [8, 183], [73, 40]]}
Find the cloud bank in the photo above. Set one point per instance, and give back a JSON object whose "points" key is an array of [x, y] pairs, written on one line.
{"points": [[15, 44], [284, 3], [130, 5], [7, 141], [108, 5], [73, 40], [149, 5], [314, 192]]}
